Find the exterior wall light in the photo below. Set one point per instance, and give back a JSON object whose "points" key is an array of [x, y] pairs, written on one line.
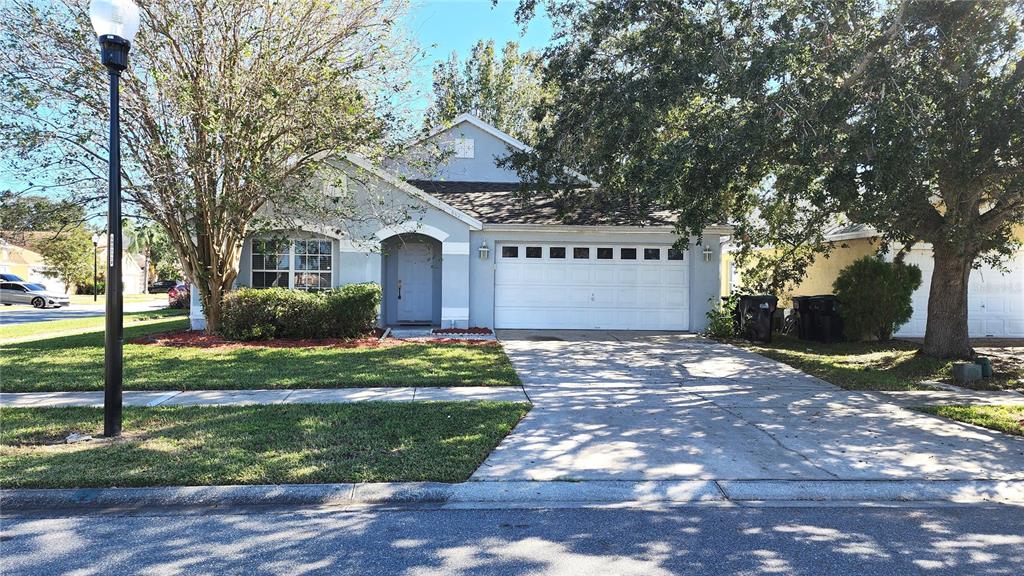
{"points": [[707, 253], [483, 250]]}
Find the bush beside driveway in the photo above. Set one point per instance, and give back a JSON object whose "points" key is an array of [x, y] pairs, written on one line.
{"points": [[267, 444], [75, 363]]}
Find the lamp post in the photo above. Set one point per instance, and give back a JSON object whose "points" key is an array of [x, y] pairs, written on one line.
{"points": [[115, 23], [95, 266]]}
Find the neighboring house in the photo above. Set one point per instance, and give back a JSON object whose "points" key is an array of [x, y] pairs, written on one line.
{"points": [[995, 306], [472, 253], [28, 265]]}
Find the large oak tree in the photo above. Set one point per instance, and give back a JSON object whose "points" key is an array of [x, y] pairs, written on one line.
{"points": [[787, 116], [229, 108]]}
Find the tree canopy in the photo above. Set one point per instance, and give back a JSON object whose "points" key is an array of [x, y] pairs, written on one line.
{"points": [[500, 91], [786, 117], [229, 107]]}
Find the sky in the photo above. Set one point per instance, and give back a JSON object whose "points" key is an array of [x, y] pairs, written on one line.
{"points": [[443, 26], [440, 27]]}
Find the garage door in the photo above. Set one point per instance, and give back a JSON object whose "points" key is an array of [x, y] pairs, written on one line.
{"points": [[995, 301], [591, 286]]}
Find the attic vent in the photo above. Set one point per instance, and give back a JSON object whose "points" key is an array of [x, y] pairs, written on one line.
{"points": [[463, 147]]}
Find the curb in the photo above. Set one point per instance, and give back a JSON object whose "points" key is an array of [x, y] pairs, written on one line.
{"points": [[523, 494]]}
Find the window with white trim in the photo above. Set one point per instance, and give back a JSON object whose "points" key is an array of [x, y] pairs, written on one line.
{"points": [[312, 265], [305, 264], [271, 260]]}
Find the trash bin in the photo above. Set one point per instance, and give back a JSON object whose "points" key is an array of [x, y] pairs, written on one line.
{"points": [[754, 317], [825, 319], [804, 318], [818, 318]]}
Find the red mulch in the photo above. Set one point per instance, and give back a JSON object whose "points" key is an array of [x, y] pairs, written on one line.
{"points": [[462, 331], [190, 339]]}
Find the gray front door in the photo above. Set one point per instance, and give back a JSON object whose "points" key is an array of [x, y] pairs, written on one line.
{"points": [[415, 284]]}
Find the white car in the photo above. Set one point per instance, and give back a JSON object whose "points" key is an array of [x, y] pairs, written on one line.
{"points": [[31, 293]]}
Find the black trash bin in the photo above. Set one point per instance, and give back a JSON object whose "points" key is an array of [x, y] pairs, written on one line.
{"points": [[754, 317], [828, 325], [804, 317]]}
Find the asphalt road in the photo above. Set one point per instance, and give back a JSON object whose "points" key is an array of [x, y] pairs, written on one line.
{"points": [[19, 314], [591, 542]]}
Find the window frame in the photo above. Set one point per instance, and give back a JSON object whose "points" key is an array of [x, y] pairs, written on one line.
{"points": [[292, 270]]}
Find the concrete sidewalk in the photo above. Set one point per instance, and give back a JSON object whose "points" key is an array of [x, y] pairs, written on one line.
{"points": [[245, 397]]}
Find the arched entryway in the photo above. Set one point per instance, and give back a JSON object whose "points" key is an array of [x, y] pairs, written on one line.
{"points": [[411, 279]]}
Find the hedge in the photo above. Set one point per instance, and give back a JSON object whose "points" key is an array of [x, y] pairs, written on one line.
{"points": [[263, 314]]}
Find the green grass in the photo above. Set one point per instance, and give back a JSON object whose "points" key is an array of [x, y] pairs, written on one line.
{"points": [[858, 365], [1006, 418], [76, 363], [77, 299], [270, 444], [25, 330]]}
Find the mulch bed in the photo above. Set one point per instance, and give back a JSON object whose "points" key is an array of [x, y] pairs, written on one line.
{"points": [[196, 339]]}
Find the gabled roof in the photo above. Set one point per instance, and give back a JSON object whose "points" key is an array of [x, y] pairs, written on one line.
{"points": [[470, 119], [413, 191], [508, 139], [850, 232]]}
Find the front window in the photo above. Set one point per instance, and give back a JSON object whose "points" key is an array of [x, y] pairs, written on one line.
{"points": [[299, 264], [312, 265]]}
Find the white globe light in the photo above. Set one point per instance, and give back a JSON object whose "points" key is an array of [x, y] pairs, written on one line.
{"points": [[114, 18]]}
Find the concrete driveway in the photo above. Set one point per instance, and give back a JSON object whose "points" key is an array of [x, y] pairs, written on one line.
{"points": [[646, 406]]}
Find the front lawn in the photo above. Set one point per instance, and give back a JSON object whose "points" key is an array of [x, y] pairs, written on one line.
{"points": [[1007, 418], [80, 299], [92, 323], [269, 444], [76, 363], [892, 365]]}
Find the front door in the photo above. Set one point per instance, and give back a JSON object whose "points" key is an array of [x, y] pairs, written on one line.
{"points": [[415, 284]]}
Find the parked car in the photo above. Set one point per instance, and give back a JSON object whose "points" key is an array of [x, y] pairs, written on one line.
{"points": [[180, 289], [162, 286], [10, 277], [29, 293]]}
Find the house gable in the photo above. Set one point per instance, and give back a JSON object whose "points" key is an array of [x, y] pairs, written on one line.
{"points": [[472, 150]]}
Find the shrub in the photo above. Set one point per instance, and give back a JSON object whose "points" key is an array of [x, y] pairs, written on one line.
{"points": [[87, 288], [181, 300], [721, 318], [346, 312], [874, 297]]}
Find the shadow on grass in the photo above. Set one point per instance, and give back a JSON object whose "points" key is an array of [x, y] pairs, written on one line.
{"points": [[895, 365], [365, 442]]}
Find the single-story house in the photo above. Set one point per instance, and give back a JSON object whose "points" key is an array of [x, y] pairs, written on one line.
{"points": [[26, 264], [995, 304], [468, 250]]}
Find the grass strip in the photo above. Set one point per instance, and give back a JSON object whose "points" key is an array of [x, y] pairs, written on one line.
{"points": [[262, 444], [1008, 418], [55, 327]]}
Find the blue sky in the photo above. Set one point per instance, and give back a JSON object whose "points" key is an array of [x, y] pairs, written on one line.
{"points": [[443, 26], [440, 27]]}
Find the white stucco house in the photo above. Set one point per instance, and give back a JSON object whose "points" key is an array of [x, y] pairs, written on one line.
{"points": [[473, 253]]}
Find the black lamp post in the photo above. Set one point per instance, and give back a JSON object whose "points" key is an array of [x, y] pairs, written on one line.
{"points": [[115, 23], [95, 266]]}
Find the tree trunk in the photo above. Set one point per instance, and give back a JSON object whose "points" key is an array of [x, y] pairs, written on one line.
{"points": [[946, 334]]}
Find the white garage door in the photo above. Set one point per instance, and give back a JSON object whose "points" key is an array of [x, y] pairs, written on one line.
{"points": [[995, 301], [591, 286]]}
